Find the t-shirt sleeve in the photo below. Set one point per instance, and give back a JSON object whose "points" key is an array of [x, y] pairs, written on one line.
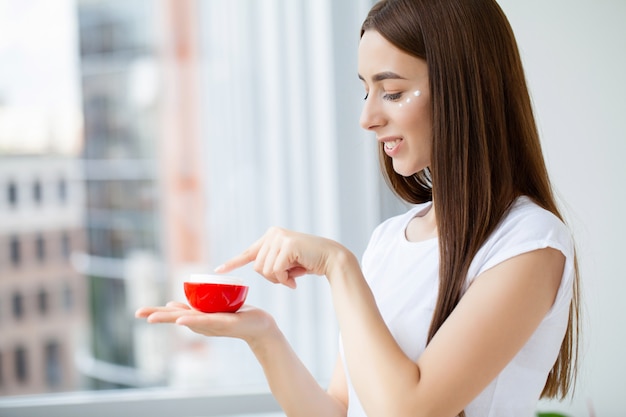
{"points": [[526, 228]]}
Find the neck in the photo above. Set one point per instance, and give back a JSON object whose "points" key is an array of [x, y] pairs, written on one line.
{"points": [[422, 227]]}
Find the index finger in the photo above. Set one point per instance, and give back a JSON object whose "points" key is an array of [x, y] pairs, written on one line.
{"points": [[240, 260]]}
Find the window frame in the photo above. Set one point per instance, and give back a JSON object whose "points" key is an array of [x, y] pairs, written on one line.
{"points": [[164, 402]]}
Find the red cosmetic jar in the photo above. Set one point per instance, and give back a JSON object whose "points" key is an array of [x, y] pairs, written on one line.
{"points": [[215, 293]]}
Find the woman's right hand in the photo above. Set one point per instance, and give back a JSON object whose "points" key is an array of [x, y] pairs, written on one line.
{"points": [[248, 323], [282, 255]]}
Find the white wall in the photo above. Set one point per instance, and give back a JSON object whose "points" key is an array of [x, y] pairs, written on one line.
{"points": [[575, 57]]}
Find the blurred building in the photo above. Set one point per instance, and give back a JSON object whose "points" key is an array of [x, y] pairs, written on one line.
{"points": [[42, 297], [256, 128], [144, 205]]}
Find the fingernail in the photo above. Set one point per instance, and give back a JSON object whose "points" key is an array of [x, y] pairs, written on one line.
{"points": [[219, 268]]}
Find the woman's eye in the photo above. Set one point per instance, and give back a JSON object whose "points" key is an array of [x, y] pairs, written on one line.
{"points": [[366, 96], [392, 97]]}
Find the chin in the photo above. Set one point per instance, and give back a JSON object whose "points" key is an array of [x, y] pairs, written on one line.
{"points": [[408, 170], [404, 171]]}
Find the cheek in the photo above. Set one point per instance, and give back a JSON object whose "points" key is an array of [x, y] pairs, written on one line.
{"points": [[415, 118], [413, 110]]}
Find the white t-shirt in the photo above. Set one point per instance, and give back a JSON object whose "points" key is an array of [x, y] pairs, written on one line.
{"points": [[403, 276]]}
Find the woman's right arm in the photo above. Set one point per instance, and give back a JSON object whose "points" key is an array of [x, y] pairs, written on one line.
{"points": [[293, 386]]}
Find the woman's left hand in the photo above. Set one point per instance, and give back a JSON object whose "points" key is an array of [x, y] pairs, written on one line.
{"points": [[282, 255], [248, 323]]}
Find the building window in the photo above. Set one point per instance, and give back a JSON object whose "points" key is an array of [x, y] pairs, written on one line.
{"points": [[40, 248], [68, 297], [15, 249], [66, 246], [62, 190], [37, 192], [54, 374], [21, 364], [12, 194], [18, 306], [43, 301]]}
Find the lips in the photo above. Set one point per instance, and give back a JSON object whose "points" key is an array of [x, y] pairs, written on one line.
{"points": [[390, 144]]}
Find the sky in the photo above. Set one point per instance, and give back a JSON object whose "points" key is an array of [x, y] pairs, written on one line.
{"points": [[39, 77]]}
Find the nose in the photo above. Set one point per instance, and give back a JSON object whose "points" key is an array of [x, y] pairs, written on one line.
{"points": [[371, 114]]}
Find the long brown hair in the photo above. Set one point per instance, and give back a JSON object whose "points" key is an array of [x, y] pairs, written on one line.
{"points": [[486, 150]]}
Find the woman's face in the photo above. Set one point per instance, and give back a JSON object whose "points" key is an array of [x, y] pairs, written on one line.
{"points": [[397, 102]]}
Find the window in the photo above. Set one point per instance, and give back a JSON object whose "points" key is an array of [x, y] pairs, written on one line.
{"points": [[67, 297], [283, 168], [12, 194], [62, 190], [53, 369], [15, 251], [40, 248], [43, 301], [18, 306], [37, 193], [21, 364], [66, 247]]}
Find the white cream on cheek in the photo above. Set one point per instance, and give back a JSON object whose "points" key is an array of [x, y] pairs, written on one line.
{"points": [[415, 94]]}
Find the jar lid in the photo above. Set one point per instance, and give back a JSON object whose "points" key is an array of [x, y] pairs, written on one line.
{"points": [[215, 279]]}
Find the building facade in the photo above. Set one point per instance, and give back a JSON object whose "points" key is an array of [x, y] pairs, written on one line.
{"points": [[42, 297], [144, 210]]}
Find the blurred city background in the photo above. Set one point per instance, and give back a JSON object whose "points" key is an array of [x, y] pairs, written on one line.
{"points": [[144, 140]]}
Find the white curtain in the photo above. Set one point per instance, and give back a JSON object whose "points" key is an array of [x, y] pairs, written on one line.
{"points": [[281, 101]]}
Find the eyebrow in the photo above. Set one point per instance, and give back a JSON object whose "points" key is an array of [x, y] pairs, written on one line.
{"points": [[386, 75]]}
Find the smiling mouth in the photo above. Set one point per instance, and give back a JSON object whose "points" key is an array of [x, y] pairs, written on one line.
{"points": [[390, 145]]}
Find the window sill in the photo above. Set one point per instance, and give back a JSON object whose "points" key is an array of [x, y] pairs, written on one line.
{"points": [[160, 402]]}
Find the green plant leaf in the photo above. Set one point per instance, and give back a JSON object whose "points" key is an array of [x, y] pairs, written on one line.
{"points": [[550, 415]]}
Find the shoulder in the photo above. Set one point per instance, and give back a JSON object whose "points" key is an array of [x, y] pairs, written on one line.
{"points": [[524, 228], [526, 221]]}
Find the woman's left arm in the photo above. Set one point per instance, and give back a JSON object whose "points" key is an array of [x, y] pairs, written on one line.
{"points": [[491, 323]]}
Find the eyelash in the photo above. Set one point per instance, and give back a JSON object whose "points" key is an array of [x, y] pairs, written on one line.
{"points": [[389, 97], [392, 97]]}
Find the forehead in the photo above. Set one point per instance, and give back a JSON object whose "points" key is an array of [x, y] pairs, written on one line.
{"points": [[377, 54]]}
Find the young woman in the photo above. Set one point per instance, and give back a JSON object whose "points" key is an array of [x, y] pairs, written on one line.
{"points": [[468, 303]]}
